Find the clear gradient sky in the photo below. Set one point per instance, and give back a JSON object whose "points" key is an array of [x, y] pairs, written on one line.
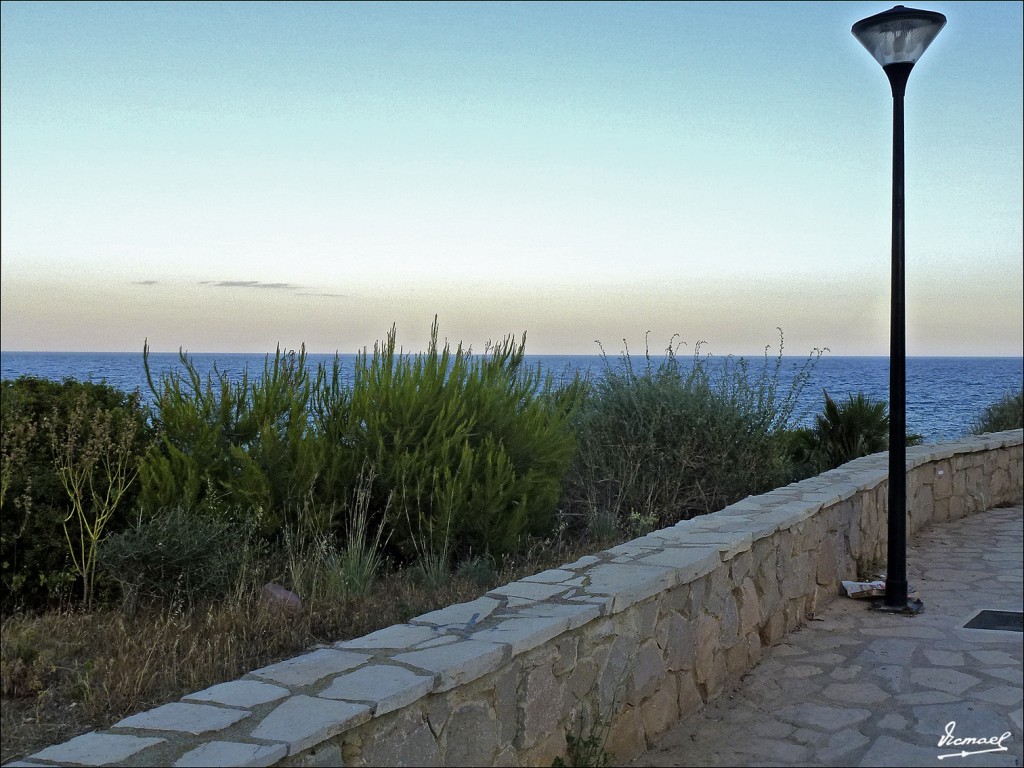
{"points": [[234, 176]]}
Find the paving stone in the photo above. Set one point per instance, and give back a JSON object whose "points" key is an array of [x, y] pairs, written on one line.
{"points": [[776, 751], [888, 751], [802, 670], [552, 576], [689, 563], [995, 658], [978, 720], [528, 590], [575, 615], [523, 634], [311, 667], [240, 693], [893, 722], [629, 584], [397, 636], [841, 745], [926, 697], [1004, 695], [944, 658], [186, 718], [457, 663], [230, 753], [583, 562], [96, 749], [387, 686], [855, 693], [305, 721], [948, 680], [887, 651], [461, 615], [821, 716]]}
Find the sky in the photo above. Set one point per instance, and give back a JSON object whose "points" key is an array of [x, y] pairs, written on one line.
{"points": [[234, 177]]}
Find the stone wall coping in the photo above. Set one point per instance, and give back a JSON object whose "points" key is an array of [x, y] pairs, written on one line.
{"points": [[290, 706]]}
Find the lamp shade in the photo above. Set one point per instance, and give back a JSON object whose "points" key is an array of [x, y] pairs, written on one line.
{"points": [[899, 35]]}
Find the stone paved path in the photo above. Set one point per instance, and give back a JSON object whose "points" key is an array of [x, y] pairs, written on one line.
{"points": [[856, 687]]}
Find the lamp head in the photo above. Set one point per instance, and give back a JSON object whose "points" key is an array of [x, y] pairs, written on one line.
{"points": [[899, 35]]}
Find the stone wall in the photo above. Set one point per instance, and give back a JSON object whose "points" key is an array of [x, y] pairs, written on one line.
{"points": [[627, 640]]}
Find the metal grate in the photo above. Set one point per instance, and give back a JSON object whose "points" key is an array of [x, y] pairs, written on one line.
{"points": [[1006, 621]]}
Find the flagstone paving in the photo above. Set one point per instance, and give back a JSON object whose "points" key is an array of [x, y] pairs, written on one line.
{"points": [[855, 687]]}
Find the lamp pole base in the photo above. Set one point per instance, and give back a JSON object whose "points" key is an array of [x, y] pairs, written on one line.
{"points": [[912, 607]]}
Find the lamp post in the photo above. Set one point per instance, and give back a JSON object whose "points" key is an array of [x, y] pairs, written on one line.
{"points": [[896, 39]]}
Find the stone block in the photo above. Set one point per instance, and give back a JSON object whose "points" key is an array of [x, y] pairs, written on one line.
{"points": [[460, 615], [575, 615], [311, 667], [583, 677], [456, 663], [552, 576], [302, 722], [241, 693], [523, 634], [690, 699], [749, 607], [384, 686], [568, 649], [647, 673], [230, 753], [405, 740], [660, 710], [397, 636], [626, 738], [471, 736], [506, 702], [680, 643], [529, 590], [542, 704], [736, 660], [184, 718], [689, 563], [96, 749], [629, 584]]}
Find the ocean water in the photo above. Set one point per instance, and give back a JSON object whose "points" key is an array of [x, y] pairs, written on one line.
{"points": [[944, 394]]}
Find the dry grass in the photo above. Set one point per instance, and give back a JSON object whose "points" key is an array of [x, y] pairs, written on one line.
{"points": [[69, 672]]}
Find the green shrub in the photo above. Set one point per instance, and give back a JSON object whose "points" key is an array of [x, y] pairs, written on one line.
{"points": [[475, 445], [843, 432], [467, 448], [664, 441], [1006, 413], [246, 445], [176, 555], [39, 421]]}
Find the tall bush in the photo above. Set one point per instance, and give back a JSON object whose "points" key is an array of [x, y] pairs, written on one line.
{"points": [[246, 444], [662, 440], [35, 414], [469, 449]]}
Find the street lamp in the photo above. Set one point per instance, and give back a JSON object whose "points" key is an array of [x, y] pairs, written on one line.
{"points": [[896, 39]]}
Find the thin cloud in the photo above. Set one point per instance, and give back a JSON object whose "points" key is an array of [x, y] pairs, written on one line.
{"points": [[251, 284], [145, 282]]}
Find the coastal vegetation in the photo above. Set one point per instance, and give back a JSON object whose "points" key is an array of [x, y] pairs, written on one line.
{"points": [[1005, 413], [152, 550]]}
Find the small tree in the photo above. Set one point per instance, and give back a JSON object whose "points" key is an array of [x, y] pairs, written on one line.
{"points": [[93, 458]]}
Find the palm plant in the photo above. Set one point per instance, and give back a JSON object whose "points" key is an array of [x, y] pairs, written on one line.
{"points": [[845, 431]]}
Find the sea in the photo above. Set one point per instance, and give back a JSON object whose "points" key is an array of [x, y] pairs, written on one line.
{"points": [[944, 394]]}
